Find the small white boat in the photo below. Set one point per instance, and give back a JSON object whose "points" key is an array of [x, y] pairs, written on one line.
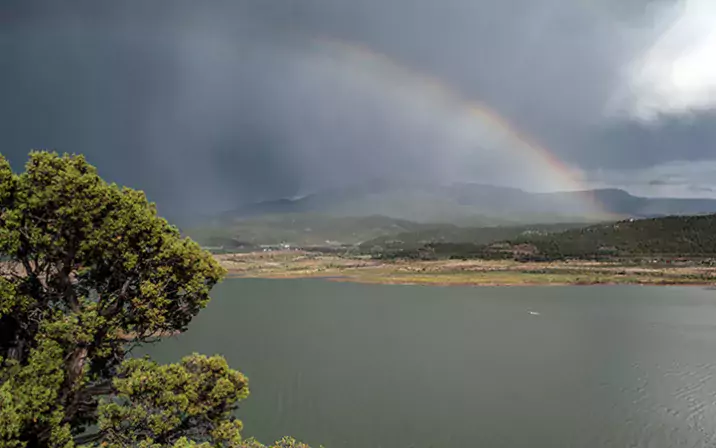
{"points": [[534, 313]]}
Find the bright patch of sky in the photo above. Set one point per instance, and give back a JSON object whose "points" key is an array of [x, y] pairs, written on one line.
{"points": [[677, 75]]}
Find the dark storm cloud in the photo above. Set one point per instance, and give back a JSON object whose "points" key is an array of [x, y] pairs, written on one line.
{"points": [[635, 144], [671, 179], [205, 104]]}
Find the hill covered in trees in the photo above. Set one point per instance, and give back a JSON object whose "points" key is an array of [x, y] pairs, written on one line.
{"points": [[453, 235], [672, 236], [667, 237]]}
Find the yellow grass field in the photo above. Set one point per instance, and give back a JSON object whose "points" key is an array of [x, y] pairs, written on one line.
{"points": [[294, 264]]}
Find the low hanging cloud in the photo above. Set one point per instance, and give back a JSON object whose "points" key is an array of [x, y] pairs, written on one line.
{"points": [[677, 74]]}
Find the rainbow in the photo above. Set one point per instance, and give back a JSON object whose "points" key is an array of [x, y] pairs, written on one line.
{"points": [[476, 121]]}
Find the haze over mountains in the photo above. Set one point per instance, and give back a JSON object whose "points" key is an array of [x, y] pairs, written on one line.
{"points": [[414, 213], [478, 204]]}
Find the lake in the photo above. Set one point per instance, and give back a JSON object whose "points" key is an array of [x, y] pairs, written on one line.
{"points": [[349, 365]]}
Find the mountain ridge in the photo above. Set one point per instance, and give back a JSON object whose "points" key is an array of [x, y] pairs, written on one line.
{"points": [[459, 202]]}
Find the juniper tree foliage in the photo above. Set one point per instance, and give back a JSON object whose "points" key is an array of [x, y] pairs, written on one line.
{"points": [[88, 273]]}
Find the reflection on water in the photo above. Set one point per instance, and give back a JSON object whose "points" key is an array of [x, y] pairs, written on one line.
{"points": [[351, 365]]}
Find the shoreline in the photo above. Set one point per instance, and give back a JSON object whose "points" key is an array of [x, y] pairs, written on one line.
{"points": [[297, 265]]}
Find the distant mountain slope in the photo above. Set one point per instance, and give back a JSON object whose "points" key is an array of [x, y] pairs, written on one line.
{"points": [[619, 202], [384, 210], [405, 202], [475, 204]]}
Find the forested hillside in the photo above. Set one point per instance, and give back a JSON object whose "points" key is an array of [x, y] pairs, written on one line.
{"points": [[453, 235], [670, 237], [677, 236]]}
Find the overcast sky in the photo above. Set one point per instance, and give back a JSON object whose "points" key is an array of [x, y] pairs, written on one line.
{"points": [[209, 104]]}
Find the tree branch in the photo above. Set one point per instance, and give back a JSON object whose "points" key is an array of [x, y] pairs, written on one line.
{"points": [[88, 438]]}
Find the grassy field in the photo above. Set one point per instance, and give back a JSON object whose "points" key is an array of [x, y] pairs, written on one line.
{"points": [[293, 264]]}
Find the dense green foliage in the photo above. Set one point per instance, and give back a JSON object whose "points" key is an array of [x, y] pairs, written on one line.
{"points": [[90, 272], [673, 236], [667, 237], [445, 237]]}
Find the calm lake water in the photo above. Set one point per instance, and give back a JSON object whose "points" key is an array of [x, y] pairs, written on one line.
{"points": [[350, 365]]}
